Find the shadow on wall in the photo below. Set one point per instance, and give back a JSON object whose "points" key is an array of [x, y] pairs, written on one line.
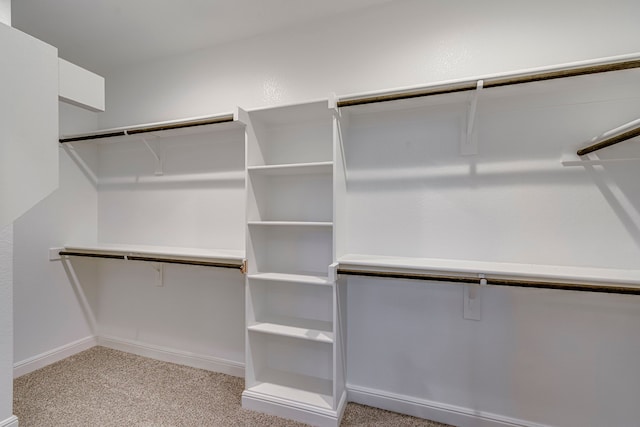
{"points": [[618, 183]]}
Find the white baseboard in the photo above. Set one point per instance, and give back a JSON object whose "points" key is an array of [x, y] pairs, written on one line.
{"points": [[12, 421], [294, 411], [171, 355], [47, 358], [435, 411]]}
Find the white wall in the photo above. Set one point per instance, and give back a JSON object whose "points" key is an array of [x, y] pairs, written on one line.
{"points": [[533, 350], [6, 290], [29, 163], [28, 153], [514, 201], [198, 202], [536, 356], [544, 348], [404, 42], [47, 311], [6, 322]]}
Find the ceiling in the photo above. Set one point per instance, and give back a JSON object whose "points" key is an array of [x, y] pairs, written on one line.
{"points": [[103, 34]]}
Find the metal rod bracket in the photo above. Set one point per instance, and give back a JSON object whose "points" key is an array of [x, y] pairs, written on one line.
{"points": [[157, 155], [472, 302], [469, 141]]}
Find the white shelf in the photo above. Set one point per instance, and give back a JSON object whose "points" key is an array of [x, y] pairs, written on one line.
{"points": [[196, 254], [496, 269], [308, 329], [161, 129], [296, 278], [295, 387], [293, 169], [293, 223]]}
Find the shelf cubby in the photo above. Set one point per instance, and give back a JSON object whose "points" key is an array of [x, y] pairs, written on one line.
{"points": [[294, 249], [290, 198], [290, 135], [295, 309], [297, 370]]}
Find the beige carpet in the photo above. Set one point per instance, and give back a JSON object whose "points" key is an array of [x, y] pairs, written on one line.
{"points": [[104, 387]]}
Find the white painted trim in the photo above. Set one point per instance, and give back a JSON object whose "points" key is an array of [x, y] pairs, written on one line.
{"points": [[171, 355], [47, 358], [436, 411], [299, 412], [12, 421]]}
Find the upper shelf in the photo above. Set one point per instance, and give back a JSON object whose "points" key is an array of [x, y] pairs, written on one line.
{"points": [[604, 65], [469, 271], [213, 257], [161, 129]]}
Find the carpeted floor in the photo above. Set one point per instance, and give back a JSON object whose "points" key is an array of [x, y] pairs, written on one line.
{"points": [[104, 387]]}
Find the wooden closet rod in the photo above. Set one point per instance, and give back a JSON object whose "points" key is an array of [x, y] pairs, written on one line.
{"points": [[610, 141], [153, 259], [147, 129], [489, 82], [582, 287]]}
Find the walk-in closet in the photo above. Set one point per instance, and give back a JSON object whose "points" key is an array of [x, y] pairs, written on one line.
{"points": [[355, 212]]}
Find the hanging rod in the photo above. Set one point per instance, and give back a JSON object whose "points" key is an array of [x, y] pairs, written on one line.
{"points": [[489, 82], [581, 287], [632, 133], [147, 129], [240, 267]]}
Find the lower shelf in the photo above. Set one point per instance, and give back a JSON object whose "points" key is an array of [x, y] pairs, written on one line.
{"points": [[310, 278], [295, 387], [314, 330]]}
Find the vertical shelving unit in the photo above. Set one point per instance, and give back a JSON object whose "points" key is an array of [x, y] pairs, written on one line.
{"points": [[293, 351]]}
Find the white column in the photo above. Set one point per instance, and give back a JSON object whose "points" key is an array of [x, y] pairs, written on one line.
{"points": [[6, 296], [6, 324], [6, 291]]}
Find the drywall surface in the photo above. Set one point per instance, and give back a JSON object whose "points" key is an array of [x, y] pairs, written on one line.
{"points": [[28, 152], [547, 357], [198, 201], [533, 350], [196, 312], [537, 357], [404, 42], [47, 308], [514, 200], [6, 321]]}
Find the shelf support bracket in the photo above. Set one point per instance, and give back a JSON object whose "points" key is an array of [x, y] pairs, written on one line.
{"points": [[156, 155], [469, 141], [159, 268], [472, 300], [333, 101]]}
